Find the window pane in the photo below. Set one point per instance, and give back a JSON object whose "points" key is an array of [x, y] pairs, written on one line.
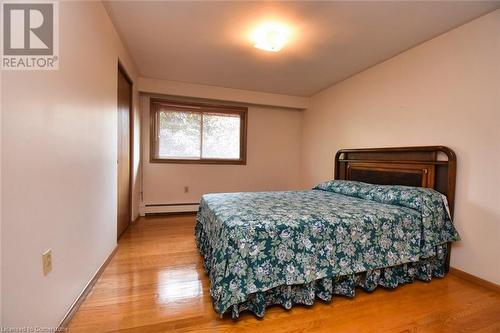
{"points": [[221, 136], [179, 134]]}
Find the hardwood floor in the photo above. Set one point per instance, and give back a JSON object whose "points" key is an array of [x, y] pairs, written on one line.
{"points": [[156, 283]]}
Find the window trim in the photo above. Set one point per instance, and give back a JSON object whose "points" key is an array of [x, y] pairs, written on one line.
{"points": [[154, 108]]}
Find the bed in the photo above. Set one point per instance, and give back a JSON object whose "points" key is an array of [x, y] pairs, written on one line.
{"points": [[385, 219]]}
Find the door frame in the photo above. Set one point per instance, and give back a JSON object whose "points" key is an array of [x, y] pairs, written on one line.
{"points": [[121, 69]]}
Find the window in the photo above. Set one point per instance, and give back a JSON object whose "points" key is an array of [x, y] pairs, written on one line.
{"points": [[197, 133]]}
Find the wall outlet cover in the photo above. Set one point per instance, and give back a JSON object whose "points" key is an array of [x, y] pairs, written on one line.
{"points": [[47, 261]]}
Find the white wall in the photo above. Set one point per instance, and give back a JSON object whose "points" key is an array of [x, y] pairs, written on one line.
{"points": [[273, 161], [59, 139], [1, 107], [445, 91], [136, 157], [185, 89]]}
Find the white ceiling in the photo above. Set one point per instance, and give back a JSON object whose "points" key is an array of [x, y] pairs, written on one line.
{"points": [[208, 42]]}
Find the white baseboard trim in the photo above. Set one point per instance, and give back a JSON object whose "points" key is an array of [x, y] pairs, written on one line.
{"points": [[171, 208]]}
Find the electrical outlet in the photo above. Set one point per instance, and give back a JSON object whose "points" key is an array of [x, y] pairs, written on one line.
{"points": [[186, 189], [47, 261]]}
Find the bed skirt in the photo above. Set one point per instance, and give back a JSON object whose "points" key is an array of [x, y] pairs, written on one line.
{"points": [[325, 288]]}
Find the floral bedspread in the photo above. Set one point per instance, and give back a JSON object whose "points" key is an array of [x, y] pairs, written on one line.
{"points": [[257, 242]]}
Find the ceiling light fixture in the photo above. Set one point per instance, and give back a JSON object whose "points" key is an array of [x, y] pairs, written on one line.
{"points": [[271, 36]]}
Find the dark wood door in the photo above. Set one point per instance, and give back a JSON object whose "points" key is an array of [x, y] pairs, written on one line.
{"points": [[124, 153]]}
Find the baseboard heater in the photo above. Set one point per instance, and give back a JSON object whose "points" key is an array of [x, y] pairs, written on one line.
{"points": [[171, 208]]}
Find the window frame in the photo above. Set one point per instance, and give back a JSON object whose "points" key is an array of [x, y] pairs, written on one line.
{"points": [[200, 108]]}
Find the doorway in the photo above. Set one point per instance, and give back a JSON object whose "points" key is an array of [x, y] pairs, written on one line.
{"points": [[124, 158]]}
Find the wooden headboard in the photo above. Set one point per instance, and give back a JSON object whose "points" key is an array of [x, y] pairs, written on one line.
{"points": [[426, 166]]}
